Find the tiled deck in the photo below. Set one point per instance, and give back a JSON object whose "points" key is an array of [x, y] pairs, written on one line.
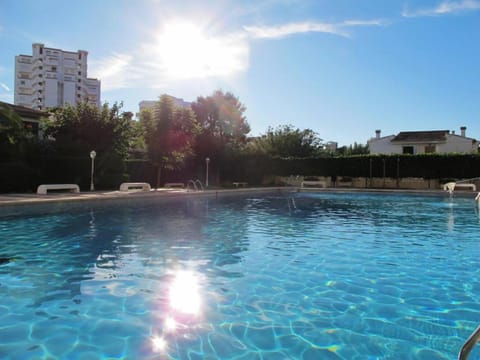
{"points": [[63, 197], [9, 200]]}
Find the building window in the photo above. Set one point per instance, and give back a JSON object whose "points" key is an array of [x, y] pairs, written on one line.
{"points": [[79, 88], [408, 150], [41, 50], [40, 67], [22, 82], [54, 68], [430, 149], [80, 56], [79, 73], [79, 80]]}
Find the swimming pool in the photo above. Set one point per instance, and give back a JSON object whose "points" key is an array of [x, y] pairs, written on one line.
{"points": [[281, 276]]}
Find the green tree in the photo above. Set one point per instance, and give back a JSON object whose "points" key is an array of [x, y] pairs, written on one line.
{"points": [[138, 146], [79, 129], [17, 140], [169, 134], [355, 149], [287, 141], [223, 123], [11, 127]]}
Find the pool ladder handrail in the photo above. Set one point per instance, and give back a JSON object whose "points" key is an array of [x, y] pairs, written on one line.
{"points": [[469, 344], [199, 185], [291, 204], [196, 184]]}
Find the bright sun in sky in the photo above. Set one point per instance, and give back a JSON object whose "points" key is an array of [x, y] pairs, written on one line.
{"points": [[184, 51]]}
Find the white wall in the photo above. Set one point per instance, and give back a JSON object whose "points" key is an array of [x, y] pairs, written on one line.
{"points": [[458, 144], [51, 92], [69, 93], [383, 145], [454, 144]]}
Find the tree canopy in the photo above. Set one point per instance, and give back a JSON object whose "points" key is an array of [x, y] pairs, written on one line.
{"points": [[223, 123], [287, 141], [15, 138], [169, 134], [355, 149], [79, 129], [11, 126]]}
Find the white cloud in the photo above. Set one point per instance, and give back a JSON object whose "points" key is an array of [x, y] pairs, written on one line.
{"points": [[352, 23], [4, 86], [281, 31], [444, 8], [184, 51], [114, 71]]}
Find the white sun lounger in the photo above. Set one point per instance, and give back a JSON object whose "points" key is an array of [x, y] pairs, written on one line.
{"points": [[42, 189], [135, 185]]}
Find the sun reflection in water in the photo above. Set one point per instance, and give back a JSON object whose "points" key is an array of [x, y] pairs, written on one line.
{"points": [[170, 324], [159, 344], [184, 293], [184, 306]]}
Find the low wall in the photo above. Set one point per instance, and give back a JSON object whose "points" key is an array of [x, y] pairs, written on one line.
{"points": [[362, 182], [402, 183]]}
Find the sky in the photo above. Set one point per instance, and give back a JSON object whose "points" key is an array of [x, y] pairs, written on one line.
{"points": [[342, 68]]}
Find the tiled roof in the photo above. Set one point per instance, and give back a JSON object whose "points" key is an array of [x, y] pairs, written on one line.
{"points": [[421, 136], [25, 112]]}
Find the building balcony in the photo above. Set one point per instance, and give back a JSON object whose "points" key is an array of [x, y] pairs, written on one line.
{"points": [[24, 60], [51, 75]]}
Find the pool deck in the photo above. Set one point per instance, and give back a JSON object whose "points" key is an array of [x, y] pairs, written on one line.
{"points": [[8, 200]]}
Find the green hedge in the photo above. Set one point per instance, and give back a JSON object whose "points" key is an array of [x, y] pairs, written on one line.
{"points": [[455, 166], [17, 177], [26, 176], [111, 171]]}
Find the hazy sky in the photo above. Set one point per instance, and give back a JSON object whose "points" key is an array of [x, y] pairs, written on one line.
{"points": [[342, 68]]}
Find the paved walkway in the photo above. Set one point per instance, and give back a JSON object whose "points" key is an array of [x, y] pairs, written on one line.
{"points": [[7, 200], [26, 199], [23, 199]]}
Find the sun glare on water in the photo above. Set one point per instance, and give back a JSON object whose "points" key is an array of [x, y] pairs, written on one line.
{"points": [[186, 51], [184, 293], [184, 308]]}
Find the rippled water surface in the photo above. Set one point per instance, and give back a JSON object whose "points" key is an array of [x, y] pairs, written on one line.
{"points": [[287, 276]]}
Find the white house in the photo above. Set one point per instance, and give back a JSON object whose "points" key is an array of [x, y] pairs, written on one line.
{"points": [[53, 77], [423, 142]]}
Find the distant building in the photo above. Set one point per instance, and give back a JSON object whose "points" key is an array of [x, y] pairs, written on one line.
{"points": [[53, 77], [423, 142], [150, 104], [331, 146]]}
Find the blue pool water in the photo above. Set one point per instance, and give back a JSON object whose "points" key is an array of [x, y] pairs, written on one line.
{"points": [[283, 276]]}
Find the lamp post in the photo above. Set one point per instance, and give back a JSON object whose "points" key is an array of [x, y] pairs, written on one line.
{"points": [[92, 156], [207, 160]]}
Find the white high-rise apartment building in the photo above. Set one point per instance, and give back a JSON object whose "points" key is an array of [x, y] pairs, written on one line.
{"points": [[53, 77]]}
